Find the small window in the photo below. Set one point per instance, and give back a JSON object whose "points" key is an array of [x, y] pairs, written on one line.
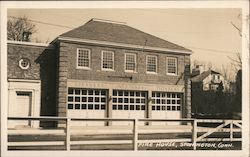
{"points": [[70, 91], [153, 107], [132, 107], [178, 108], [103, 107], [142, 107], [70, 106], [84, 106], [130, 62], [90, 106], [83, 58], [77, 106], [70, 99], [97, 107], [107, 60], [151, 64], [120, 107], [125, 107], [138, 107], [171, 66], [24, 63]]}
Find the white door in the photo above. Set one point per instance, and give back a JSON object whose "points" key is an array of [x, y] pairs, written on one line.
{"points": [[128, 104], [166, 106], [87, 103], [22, 108]]}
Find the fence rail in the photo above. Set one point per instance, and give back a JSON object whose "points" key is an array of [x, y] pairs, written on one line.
{"points": [[199, 133]]}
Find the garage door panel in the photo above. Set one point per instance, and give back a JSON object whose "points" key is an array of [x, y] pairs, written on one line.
{"points": [[128, 104], [87, 103], [166, 106]]}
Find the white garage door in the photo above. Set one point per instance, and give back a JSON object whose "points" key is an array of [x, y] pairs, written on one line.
{"points": [[128, 104], [22, 108], [166, 106], [87, 103]]}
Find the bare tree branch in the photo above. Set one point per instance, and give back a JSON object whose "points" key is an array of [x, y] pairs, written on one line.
{"points": [[17, 26]]}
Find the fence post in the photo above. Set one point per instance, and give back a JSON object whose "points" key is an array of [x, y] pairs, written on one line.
{"points": [[231, 131], [135, 132], [194, 133], [68, 134]]}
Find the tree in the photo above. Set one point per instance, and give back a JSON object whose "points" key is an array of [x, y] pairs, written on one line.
{"points": [[18, 27]]}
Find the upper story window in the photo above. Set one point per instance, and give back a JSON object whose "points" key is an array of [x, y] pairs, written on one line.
{"points": [[216, 77], [171, 66], [107, 60], [83, 58], [151, 64], [130, 62]]}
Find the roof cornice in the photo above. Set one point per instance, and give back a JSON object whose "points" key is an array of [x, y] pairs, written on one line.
{"points": [[98, 42], [30, 44]]}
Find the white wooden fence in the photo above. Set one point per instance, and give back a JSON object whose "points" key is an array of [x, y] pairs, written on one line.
{"points": [[198, 132]]}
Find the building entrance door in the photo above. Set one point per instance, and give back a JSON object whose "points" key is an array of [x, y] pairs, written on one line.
{"points": [[23, 108]]}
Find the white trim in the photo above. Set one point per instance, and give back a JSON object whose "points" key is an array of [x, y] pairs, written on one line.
{"points": [[30, 43], [77, 55], [24, 80], [150, 72], [108, 21], [73, 83], [21, 66], [16, 85], [176, 66], [125, 57], [97, 42], [113, 66]]}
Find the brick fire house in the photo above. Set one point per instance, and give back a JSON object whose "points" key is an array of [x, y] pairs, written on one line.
{"points": [[101, 69]]}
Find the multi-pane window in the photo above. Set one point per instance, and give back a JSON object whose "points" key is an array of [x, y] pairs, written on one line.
{"points": [[83, 58], [172, 65], [152, 64], [86, 99], [107, 60], [130, 62], [166, 101], [129, 100]]}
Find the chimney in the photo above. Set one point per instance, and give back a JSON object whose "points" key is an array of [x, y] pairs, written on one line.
{"points": [[198, 70], [26, 36]]}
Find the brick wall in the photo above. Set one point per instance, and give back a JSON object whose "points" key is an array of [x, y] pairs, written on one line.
{"points": [[62, 73], [187, 85], [95, 73], [42, 67]]}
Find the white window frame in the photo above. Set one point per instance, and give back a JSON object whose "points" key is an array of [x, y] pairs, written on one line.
{"points": [[77, 54], [113, 66], [176, 65], [156, 63], [173, 96], [125, 63], [81, 103]]}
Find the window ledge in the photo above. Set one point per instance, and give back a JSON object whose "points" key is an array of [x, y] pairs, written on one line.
{"points": [[111, 70], [170, 74], [154, 73], [83, 68], [128, 71]]}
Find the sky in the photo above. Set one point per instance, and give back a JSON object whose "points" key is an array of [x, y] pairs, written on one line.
{"points": [[207, 32]]}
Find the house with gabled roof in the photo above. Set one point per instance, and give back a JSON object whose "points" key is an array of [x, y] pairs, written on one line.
{"points": [[103, 69], [208, 80]]}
